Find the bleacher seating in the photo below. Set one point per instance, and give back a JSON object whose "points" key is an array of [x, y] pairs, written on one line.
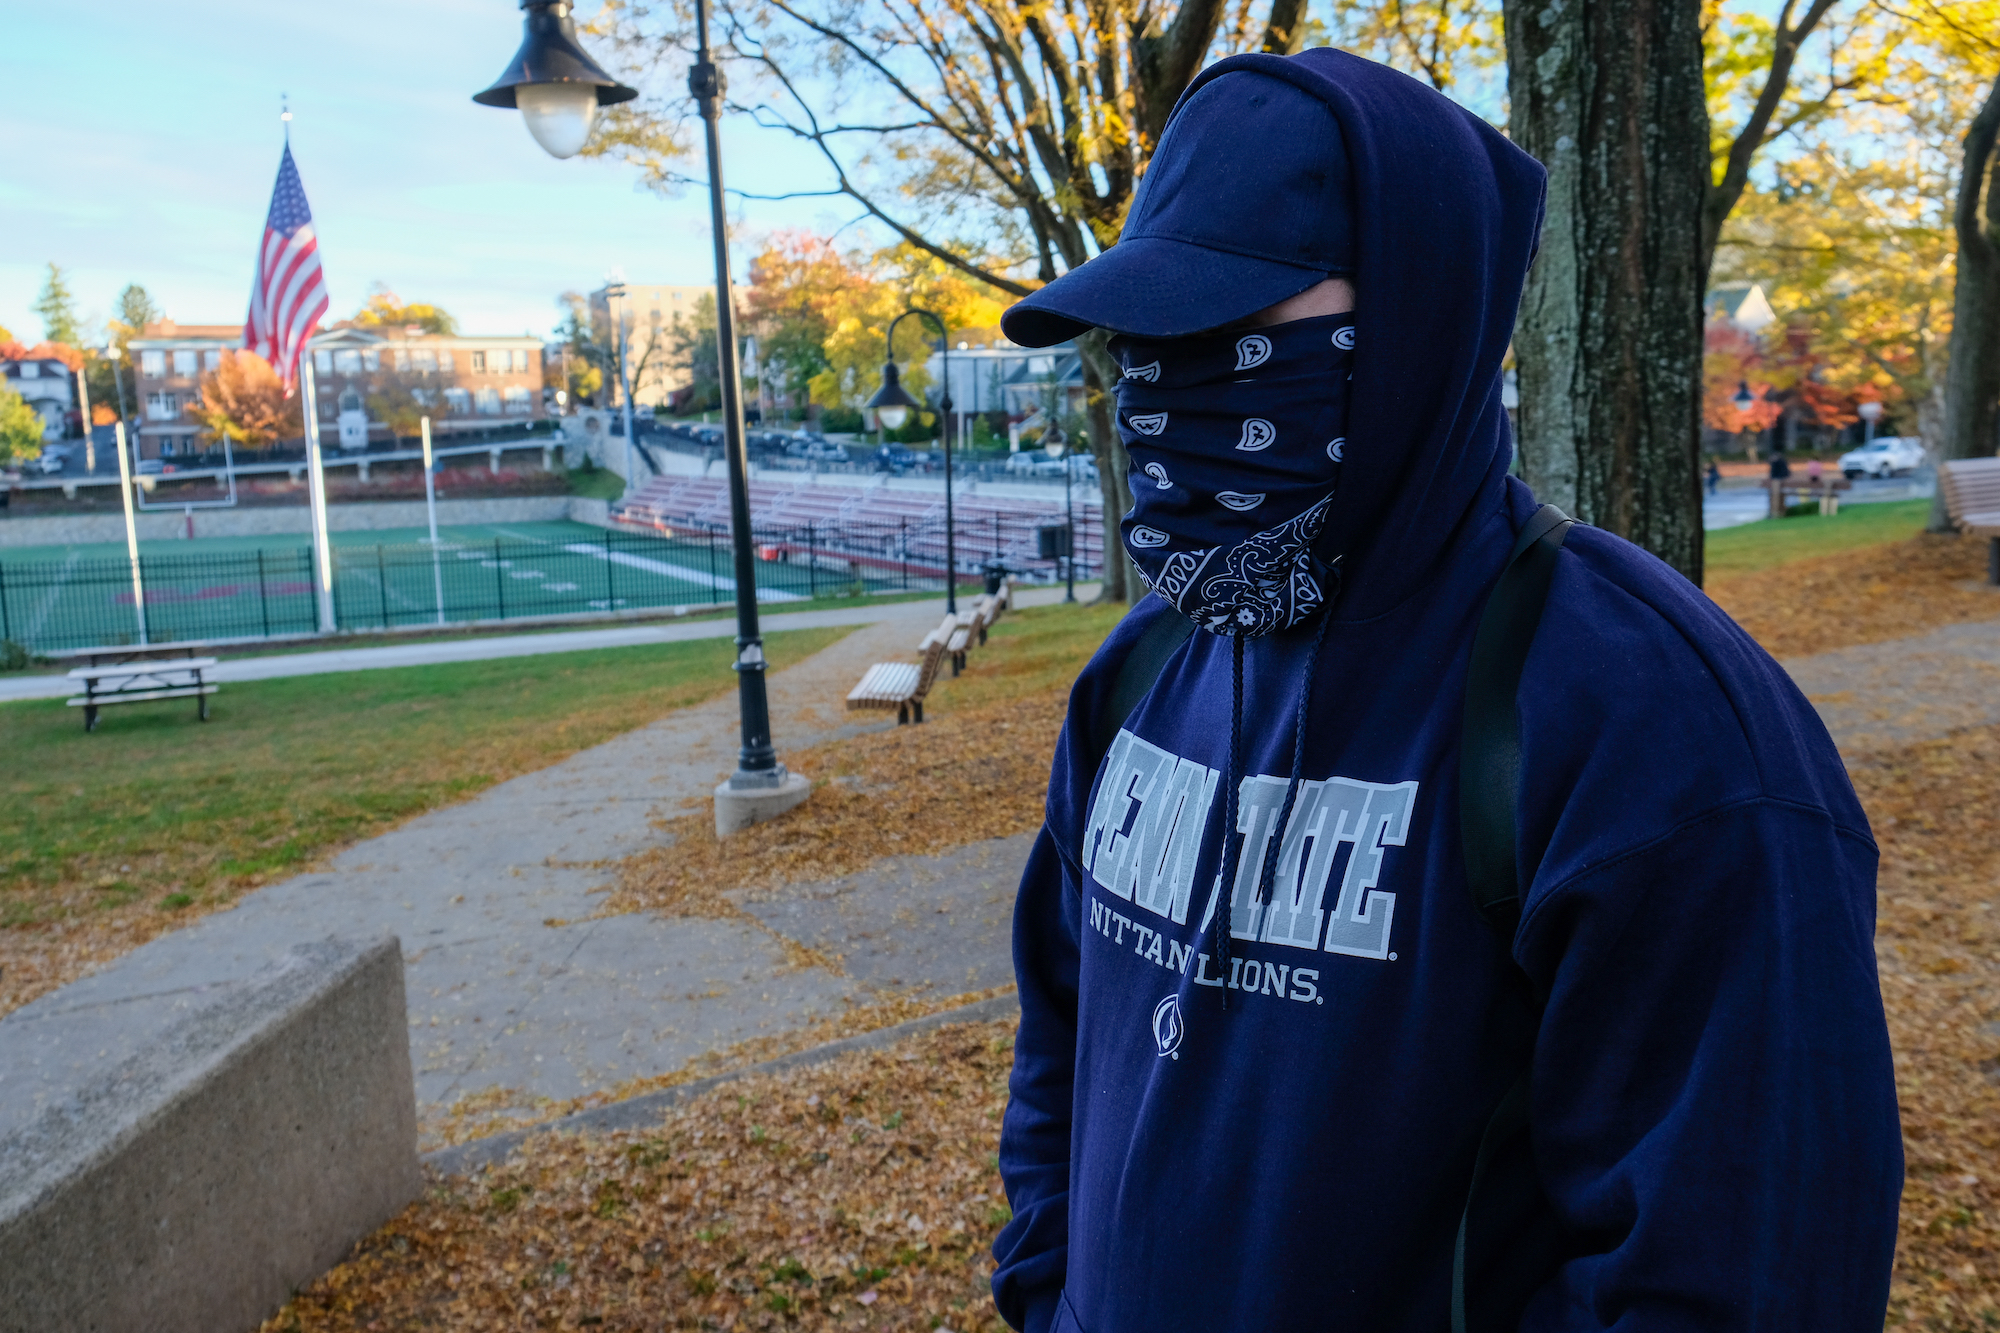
{"points": [[872, 525]]}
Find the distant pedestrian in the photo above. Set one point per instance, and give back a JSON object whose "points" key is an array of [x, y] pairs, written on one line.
{"points": [[1714, 476], [1781, 469], [1813, 471]]}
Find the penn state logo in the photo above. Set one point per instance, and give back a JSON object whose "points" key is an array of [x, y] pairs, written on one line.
{"points": [[1254, 350], [1150, 372], [1168, 1029], [1159, 476], [1257, 434], [1145, 537], [1344, 338], [1337, 450], [1148, 423], [1238, 501]]}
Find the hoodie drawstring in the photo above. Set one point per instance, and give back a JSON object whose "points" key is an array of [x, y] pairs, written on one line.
{"points": [[1232, 846]]}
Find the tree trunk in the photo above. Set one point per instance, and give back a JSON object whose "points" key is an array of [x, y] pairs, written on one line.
{"points": [[1972, 380], [1608, 94], [1121, 581]]}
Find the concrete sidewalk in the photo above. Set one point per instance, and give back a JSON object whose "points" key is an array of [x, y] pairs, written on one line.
{"points": [[928, 610], [515, 991]]}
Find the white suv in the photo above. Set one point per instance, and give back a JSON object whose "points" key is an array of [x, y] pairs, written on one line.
{"points": [[1885, 457]]}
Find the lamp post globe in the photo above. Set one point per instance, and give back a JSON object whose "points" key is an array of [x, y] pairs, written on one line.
{"points": [[553, 82], [892, 402], [1054, 442], [1743, 400]]}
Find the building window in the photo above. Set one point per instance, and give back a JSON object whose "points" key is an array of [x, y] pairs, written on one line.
{"points": [[517, 401], [31, 370], [458, 401], [422, 397], [479, 363], [347, 363], [323, 361], [444, 361], [521, 360], [423, 360], [153, 363], [163, 406], [489, 402], [186, 363], [371, 359], [170, 445], [213, 359], [402, 358]]}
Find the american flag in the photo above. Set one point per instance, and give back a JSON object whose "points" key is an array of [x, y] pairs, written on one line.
{"points": [[289, 294]]}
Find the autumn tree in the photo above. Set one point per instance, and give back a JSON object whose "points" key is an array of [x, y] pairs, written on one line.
{"points": [[243, 401], [384, 309], [1003, 138], [1972, 391], [20, 428]]}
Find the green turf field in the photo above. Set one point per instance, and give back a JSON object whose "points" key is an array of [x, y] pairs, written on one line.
{"points": [[54, 599]]}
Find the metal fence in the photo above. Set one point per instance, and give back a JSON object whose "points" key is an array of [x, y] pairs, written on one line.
{"points": [[56, 606]]}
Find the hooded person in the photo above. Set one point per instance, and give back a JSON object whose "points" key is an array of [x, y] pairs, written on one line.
{"points": [[1264, 1031]]}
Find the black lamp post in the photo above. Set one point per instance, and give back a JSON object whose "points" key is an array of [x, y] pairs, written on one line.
{"points": [[892, 403], [558, 88], [1055, 444]]}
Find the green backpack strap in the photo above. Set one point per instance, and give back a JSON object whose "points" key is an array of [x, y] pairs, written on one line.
{"points": [[1489, 774]]}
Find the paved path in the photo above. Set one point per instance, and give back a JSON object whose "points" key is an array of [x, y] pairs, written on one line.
{"points": [[512, 985], [529, 645], [1905, 690]]}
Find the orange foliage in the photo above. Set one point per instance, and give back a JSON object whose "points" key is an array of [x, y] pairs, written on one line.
{"points": [[244, 400], [43, 351]]}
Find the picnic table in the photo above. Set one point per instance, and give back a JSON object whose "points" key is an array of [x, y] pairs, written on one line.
{"points": [[143, 680]]}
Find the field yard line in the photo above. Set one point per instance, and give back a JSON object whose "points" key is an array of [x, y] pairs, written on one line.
{"points": [[49, 602], [691, 575]]}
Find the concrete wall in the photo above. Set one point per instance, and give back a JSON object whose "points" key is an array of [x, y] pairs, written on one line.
{"points": [[193, 1188], [68, 530]]}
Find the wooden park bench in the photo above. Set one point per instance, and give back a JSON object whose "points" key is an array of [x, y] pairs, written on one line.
{"points": [[1825, 490], [142, 681], [903, 686], [1972, 498]]}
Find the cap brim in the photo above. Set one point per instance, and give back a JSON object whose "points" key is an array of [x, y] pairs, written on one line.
{"points": [[1154, 287]]}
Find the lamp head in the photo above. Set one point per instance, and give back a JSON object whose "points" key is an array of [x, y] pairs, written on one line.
{"points": [[1054, 442], [1871, 411], [1742, 401], [553, 81], [892, 402]]}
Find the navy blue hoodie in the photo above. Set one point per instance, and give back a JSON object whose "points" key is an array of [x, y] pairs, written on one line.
{"points": [[1714, 1128]]}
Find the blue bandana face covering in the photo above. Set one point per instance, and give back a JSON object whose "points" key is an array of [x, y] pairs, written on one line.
{"points": [[1236, 441]]}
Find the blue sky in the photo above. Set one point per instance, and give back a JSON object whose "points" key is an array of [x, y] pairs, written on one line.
{"points": [[144, 138]]}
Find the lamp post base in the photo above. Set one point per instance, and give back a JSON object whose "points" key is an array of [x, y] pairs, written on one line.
{"points": [[737, 808]]}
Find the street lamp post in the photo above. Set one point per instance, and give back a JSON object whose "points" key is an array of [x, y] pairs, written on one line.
{"points": [[559, 88], [892, 404], [1871, 412], [614, 296], [1055, 444]]}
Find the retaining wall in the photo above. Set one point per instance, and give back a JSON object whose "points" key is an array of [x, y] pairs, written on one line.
{"points": [[239, 1156]]}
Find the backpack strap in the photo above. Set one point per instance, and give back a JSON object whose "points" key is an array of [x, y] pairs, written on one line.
{"points": [[1489, 758], [1142, 666], [1489, 774]]}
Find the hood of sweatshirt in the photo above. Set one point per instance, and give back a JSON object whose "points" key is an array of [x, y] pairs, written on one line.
{"points": [[1447, 214]]}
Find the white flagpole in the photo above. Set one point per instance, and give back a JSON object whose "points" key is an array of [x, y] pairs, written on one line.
{"points": [[316, 489], [131, 534], [431, 507]]}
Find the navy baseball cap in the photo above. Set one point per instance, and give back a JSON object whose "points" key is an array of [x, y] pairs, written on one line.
{"points": [[1247, 201]]}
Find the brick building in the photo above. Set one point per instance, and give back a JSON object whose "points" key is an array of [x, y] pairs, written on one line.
{"points": [[475, 382]]}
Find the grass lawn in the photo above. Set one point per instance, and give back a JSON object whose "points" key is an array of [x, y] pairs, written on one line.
{"points": [[1755, 546], [157, 816], [596, 483]]}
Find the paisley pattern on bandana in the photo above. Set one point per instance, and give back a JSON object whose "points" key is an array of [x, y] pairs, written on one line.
{"points": [[1236, 442]]}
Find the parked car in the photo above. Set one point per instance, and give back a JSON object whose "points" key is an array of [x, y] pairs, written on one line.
{"points": [[896, 457], [815, 449], [50, 462], [150, 467], [1889, 456]]}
